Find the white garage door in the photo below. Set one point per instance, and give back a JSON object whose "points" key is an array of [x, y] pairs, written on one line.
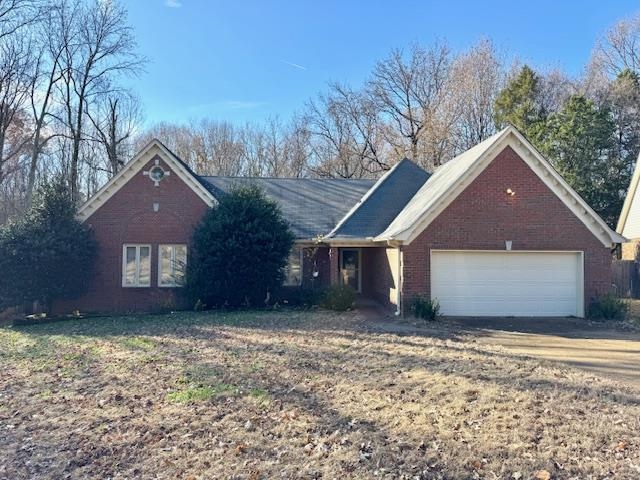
{"points": [[507, 283]]}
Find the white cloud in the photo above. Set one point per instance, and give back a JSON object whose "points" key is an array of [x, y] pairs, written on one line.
{"points": [[173, 3]]}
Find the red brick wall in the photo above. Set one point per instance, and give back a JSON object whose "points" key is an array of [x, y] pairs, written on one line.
{"points": [[315, 259], [377, 275], [128, 217], [482, 217]]}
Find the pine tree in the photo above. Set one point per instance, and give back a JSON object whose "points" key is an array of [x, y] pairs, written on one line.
{"points": [[519, 104], [580, 145]]}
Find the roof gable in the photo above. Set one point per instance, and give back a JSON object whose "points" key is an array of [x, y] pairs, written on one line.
{"points": [[382, 203], [133, 167], [454, 176]]}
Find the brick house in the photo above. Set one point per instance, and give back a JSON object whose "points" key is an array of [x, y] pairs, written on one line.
{"points": [[494, 231]]}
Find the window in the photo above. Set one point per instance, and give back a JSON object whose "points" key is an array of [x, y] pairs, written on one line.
{"points": [[172, 264], [293, 270], [136, 265]]}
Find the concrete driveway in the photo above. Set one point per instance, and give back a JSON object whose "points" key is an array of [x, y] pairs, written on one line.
{"points": [[574, 342]]}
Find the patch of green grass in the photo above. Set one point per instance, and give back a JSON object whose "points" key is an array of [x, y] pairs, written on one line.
{"points": [[199, 394], [139, 343], [260, 395]]}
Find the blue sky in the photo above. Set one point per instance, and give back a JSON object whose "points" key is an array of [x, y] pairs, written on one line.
{"points": [[248, 60]]}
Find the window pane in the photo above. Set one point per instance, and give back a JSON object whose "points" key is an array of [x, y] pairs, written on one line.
{"points": [[145, 267], [180, 264], [293, 270], [165, 265], [130, 266]]}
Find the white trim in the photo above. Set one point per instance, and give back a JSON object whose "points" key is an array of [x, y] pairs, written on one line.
{"points": [[137, 246], [133, 167], [173, 254], [628, 199], [581, 276], [510, 137], [340, 259]]}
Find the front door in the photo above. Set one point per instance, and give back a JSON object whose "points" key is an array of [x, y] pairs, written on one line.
{"points": [[350, 268]]}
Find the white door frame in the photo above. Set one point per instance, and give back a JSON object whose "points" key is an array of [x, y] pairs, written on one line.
{"points": [[359, 250]]}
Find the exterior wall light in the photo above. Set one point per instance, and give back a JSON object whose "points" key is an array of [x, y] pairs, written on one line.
{"points": [[510, 192]]}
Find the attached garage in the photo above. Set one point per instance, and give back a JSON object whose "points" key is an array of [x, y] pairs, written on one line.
{"points": [[508, 283]]}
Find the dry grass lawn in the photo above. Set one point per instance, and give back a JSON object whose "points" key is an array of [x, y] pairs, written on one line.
{"points": [[287, 395]]}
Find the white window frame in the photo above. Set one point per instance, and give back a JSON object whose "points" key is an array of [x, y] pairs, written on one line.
{"points": [[137, 283], [173, 255], [301, 259]]}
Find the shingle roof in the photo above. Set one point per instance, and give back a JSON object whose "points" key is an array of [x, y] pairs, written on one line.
{"points": [[382, 203], [313, 206], [440, 183]]}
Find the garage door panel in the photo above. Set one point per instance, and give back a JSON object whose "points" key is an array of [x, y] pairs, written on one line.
{"points": [[507, 283]]}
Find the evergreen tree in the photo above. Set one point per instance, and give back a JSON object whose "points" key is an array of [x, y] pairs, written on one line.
{"points": [[238, 251], [580, 144], [519, 104], [47, 254]]}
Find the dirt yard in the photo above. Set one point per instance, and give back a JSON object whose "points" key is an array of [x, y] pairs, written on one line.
{"points": [[299, 395]]}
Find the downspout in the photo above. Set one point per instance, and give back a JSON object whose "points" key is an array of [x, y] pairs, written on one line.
{"points": [[400, 282]]}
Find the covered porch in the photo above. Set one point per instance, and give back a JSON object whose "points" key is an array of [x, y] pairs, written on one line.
{"points": [[373, 271]]}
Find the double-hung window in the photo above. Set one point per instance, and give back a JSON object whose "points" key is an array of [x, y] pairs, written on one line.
{"points": [[136, 265], [293, 269], [172, 264]]}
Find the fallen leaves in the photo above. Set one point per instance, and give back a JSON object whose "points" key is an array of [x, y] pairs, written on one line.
{"points": [[314, 395], [542, 475]]}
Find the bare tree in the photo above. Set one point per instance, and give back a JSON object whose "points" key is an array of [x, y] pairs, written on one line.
{"points": [[47, 73], [98, 48], [337, 150], [477, 78], [115, 118], [410, 92], [15, 71], [275, 149], [218, 147], [15, 15], [620, 48]]}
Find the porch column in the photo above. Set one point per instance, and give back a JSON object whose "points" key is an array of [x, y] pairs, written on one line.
{"points": [[334, 268]]}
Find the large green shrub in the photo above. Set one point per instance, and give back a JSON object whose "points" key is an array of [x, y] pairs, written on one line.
{"points": [[47, 254], [608, 307], [238, 251]]}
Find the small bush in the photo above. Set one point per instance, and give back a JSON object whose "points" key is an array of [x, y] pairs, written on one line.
{"points": [[339, 298], [608, 307], [425, 308], [297, 296]]}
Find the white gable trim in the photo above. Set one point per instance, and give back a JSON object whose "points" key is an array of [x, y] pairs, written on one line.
{"points": [[628, 200], [552, 179], [133, 167]]}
